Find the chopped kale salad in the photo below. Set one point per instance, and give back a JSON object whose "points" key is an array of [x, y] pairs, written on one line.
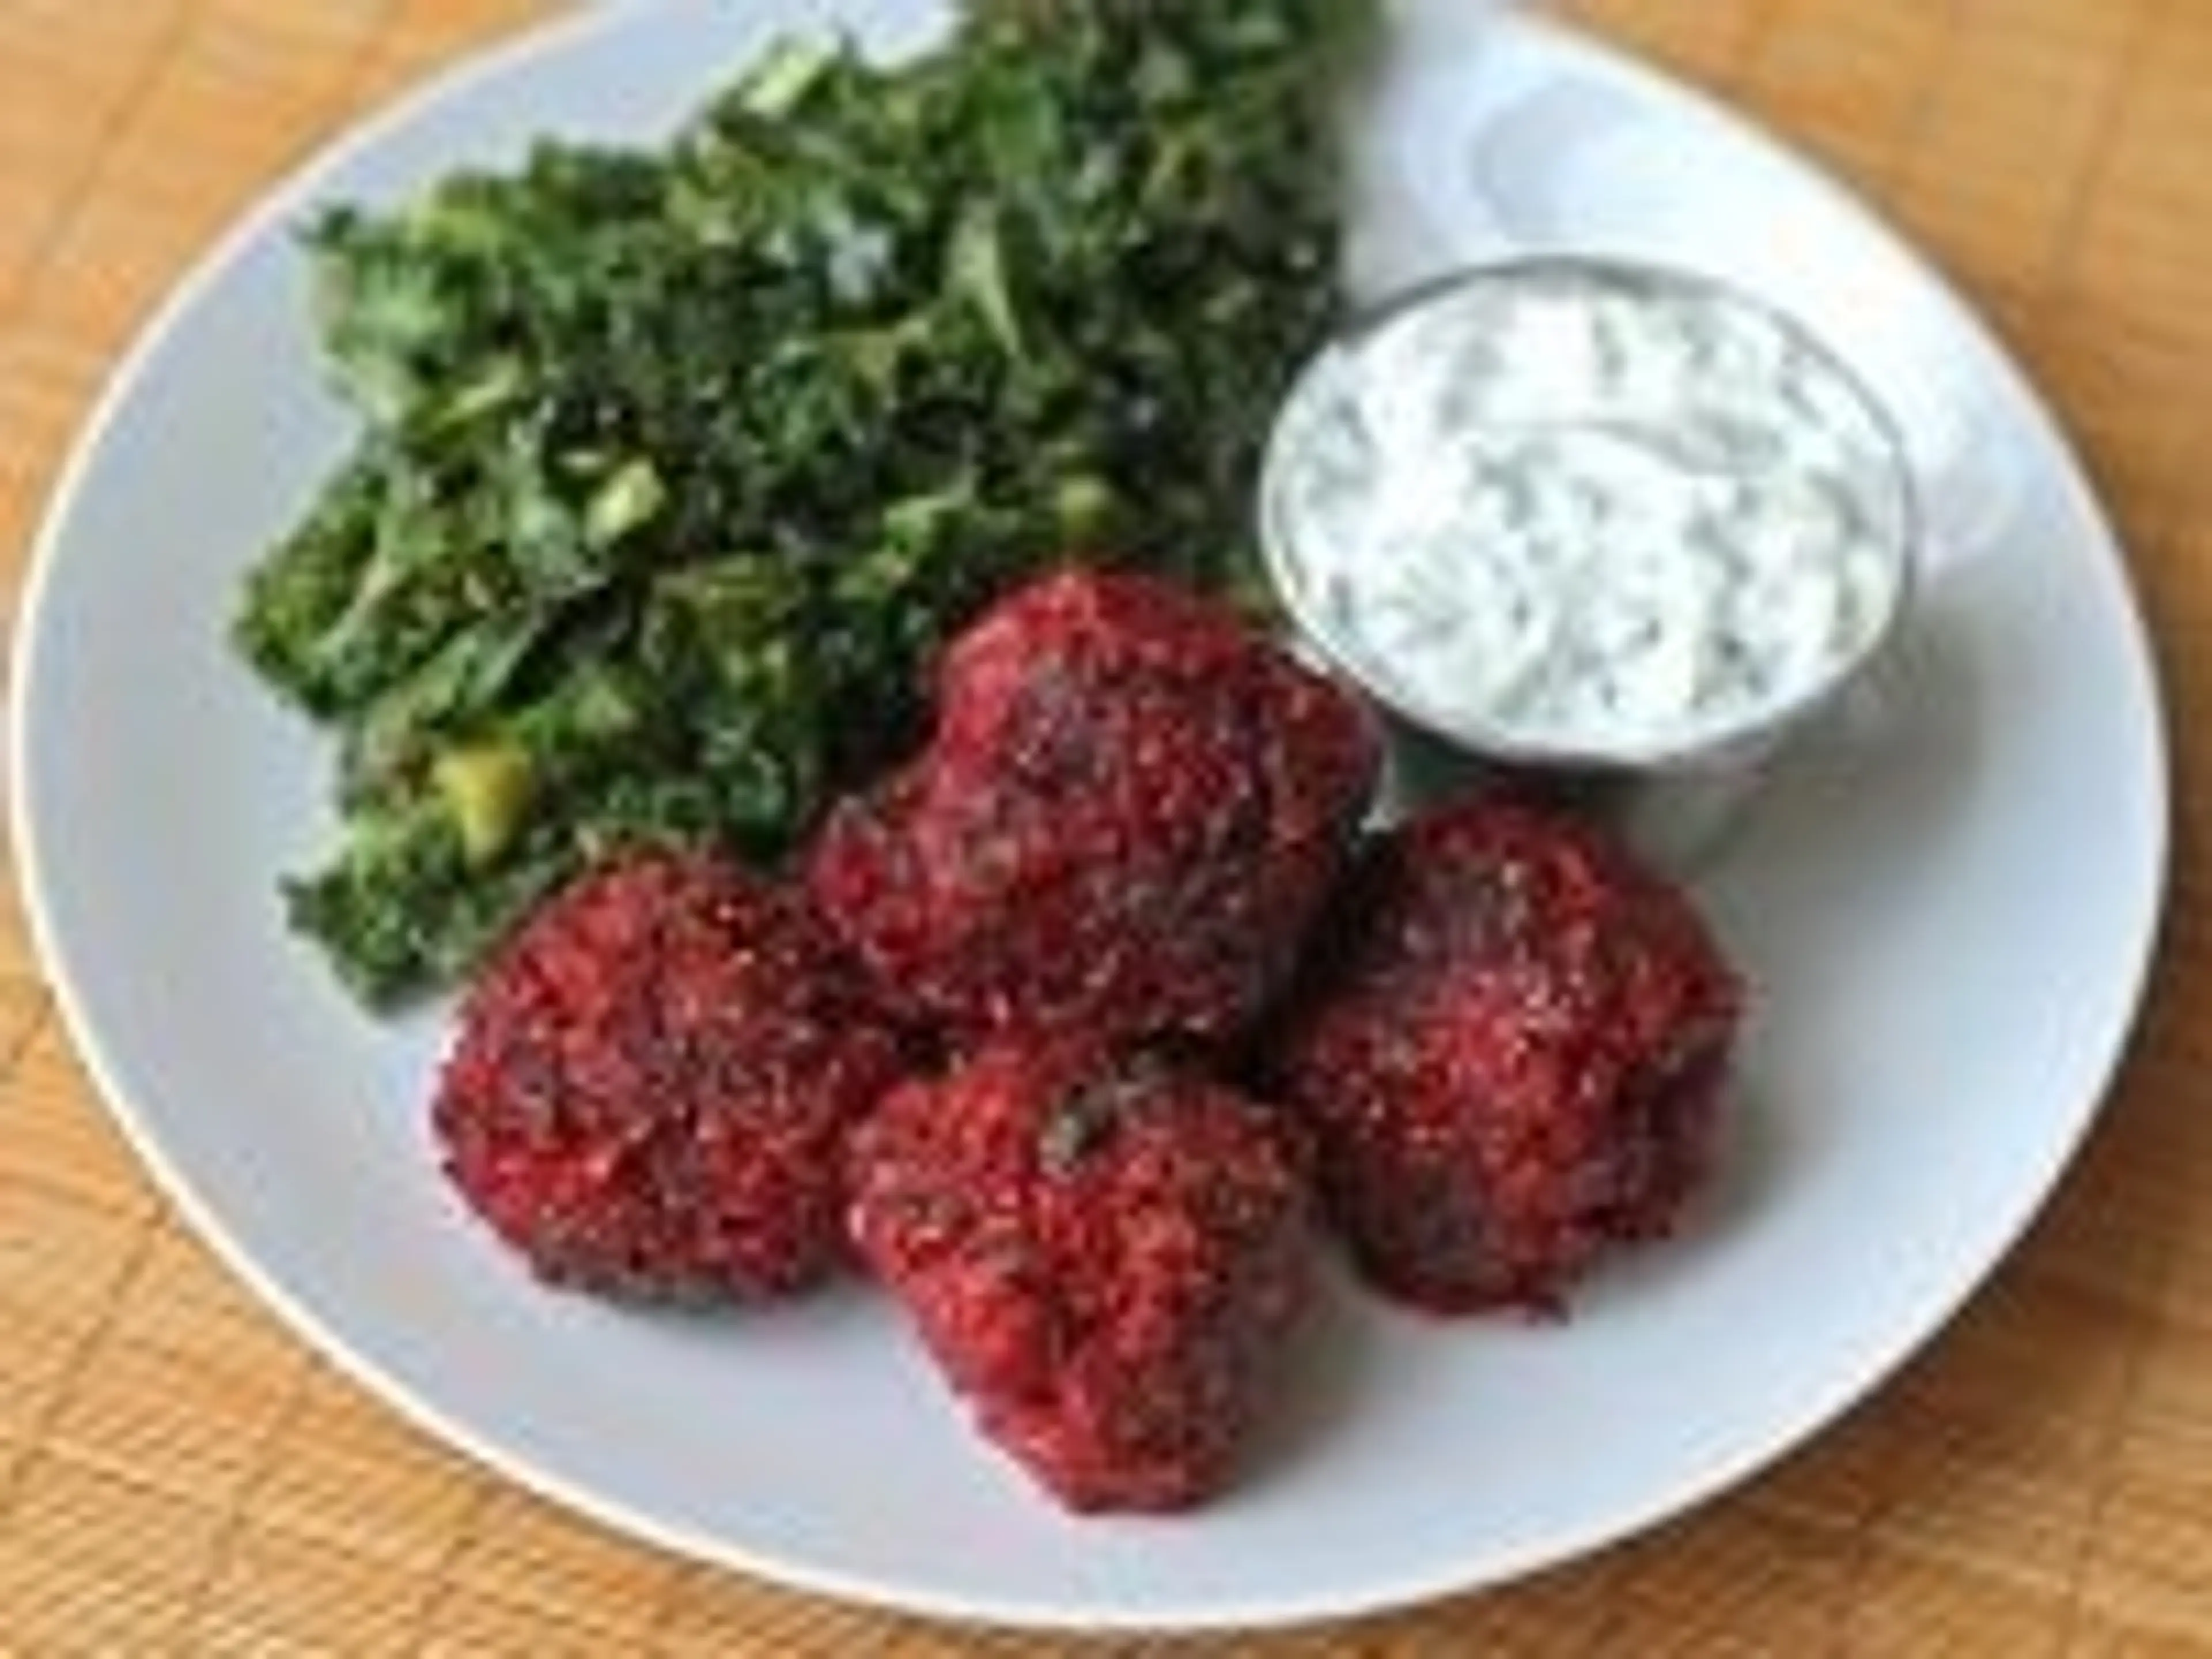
{"points": [[676, 465]]}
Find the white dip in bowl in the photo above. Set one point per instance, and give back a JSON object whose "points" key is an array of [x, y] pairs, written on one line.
{"points": [[1590, 513]]}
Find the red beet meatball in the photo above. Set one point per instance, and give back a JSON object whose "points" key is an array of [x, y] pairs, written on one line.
{"points": [[652, 1082], [1512, 1057], [1103, 1256], [1132, 808]]}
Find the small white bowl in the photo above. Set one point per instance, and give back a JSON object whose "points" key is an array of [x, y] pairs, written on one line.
{"points": [[1673, 791]]}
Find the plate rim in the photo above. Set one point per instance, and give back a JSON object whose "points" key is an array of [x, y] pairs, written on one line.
{"points": [[453, 83]]}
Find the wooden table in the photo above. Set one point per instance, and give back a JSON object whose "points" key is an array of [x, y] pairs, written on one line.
{"points": [[177, 1474]]}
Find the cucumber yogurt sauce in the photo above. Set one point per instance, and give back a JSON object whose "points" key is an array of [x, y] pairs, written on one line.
{"points": [[1589, 511]]}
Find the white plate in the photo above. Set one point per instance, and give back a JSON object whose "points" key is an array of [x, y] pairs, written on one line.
{"points": [[1946, 906]]}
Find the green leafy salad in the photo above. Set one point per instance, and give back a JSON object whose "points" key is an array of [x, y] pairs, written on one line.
{"points": [[676, 465]]}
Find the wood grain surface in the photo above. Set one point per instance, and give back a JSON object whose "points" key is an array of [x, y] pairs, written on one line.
{"points": [[178, 1475]]}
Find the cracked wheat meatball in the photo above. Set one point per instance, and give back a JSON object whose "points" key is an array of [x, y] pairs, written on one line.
{"points": [[1510, 1056], [651, 1081], [1131, 809], [1104, 1255]]}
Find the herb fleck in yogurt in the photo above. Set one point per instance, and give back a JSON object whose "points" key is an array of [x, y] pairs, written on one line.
{"points": [[1589, 511]]}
